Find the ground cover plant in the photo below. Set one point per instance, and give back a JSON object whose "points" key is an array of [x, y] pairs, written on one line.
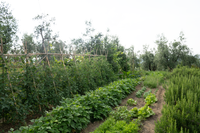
{"points": [[112, 125], [131, 102], [75, 113], [150, 99], [181, 113]]}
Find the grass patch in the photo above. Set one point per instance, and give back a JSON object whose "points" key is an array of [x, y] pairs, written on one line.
{"points": [[153, 79]]}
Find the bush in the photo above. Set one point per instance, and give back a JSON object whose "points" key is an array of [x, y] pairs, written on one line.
{"points": [[181, 114]]}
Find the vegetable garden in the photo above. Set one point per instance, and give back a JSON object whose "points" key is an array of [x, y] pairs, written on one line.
{"points": [[28, 88], [67, 96]]}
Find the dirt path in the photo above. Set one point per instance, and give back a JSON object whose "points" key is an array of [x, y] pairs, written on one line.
{"points": [[149, 123]]}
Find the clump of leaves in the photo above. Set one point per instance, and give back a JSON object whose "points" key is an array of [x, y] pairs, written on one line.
{"points": [[132, 127], [113, 126], [134, 112], [140, 92], [145, 111], [131, 102], [147, 93], [121, 113], [150, 99], [106, 125]]}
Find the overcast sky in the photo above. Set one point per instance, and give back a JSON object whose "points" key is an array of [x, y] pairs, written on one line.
{"points": [[135, 22]]}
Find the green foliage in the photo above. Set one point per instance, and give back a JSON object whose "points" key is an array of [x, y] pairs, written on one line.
{"points": [[134, 112], [148, 60], [113, 126], [8, 27], [154, 79], [98, 44], [121, 113], [29, 42], [169, 56], [106, 125], [131, 102], [36, 88], [181, 114], [147, 93], [75, 113], [150, 99], [145, 112], [140, 92], [128, 74]]}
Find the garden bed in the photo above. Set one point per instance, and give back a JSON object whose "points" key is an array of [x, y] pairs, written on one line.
{"points": [[149, 123]]}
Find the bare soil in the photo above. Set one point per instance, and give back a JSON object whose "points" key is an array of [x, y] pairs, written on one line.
{"points": [[149, 124]]}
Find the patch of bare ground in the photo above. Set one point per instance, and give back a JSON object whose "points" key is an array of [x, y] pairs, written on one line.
{"points": [[149, 124]]}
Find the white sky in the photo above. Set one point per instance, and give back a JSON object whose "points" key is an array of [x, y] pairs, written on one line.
{"points": [[135, 22]]}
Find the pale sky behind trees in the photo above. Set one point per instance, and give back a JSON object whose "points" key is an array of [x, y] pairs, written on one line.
{"points": [[135, 22]]}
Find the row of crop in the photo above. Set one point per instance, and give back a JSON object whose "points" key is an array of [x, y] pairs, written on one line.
{"points": [[182, 112], [74, 114], [32, 89], [122, 120]]}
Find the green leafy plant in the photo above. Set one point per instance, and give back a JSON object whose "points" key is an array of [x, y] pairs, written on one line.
{"points": [[145, 111], [140, 92], [131, 102], [150, 99], [113, 126], [134, 112], [106, 125], [147, 93], [121, 113]]}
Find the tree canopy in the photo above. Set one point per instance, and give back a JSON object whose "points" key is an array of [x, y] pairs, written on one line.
{"points": [[8, 27]]}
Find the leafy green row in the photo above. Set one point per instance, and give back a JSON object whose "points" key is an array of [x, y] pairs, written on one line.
{"points": [[74, 114], [112, 125], [120, 120], [122, 113], [140, 92]]}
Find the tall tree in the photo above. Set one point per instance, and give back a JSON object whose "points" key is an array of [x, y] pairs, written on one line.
{"points": [[162, 54], [168, 56], [28, 40], [148, 59], [44, 30], [8, 26]]}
